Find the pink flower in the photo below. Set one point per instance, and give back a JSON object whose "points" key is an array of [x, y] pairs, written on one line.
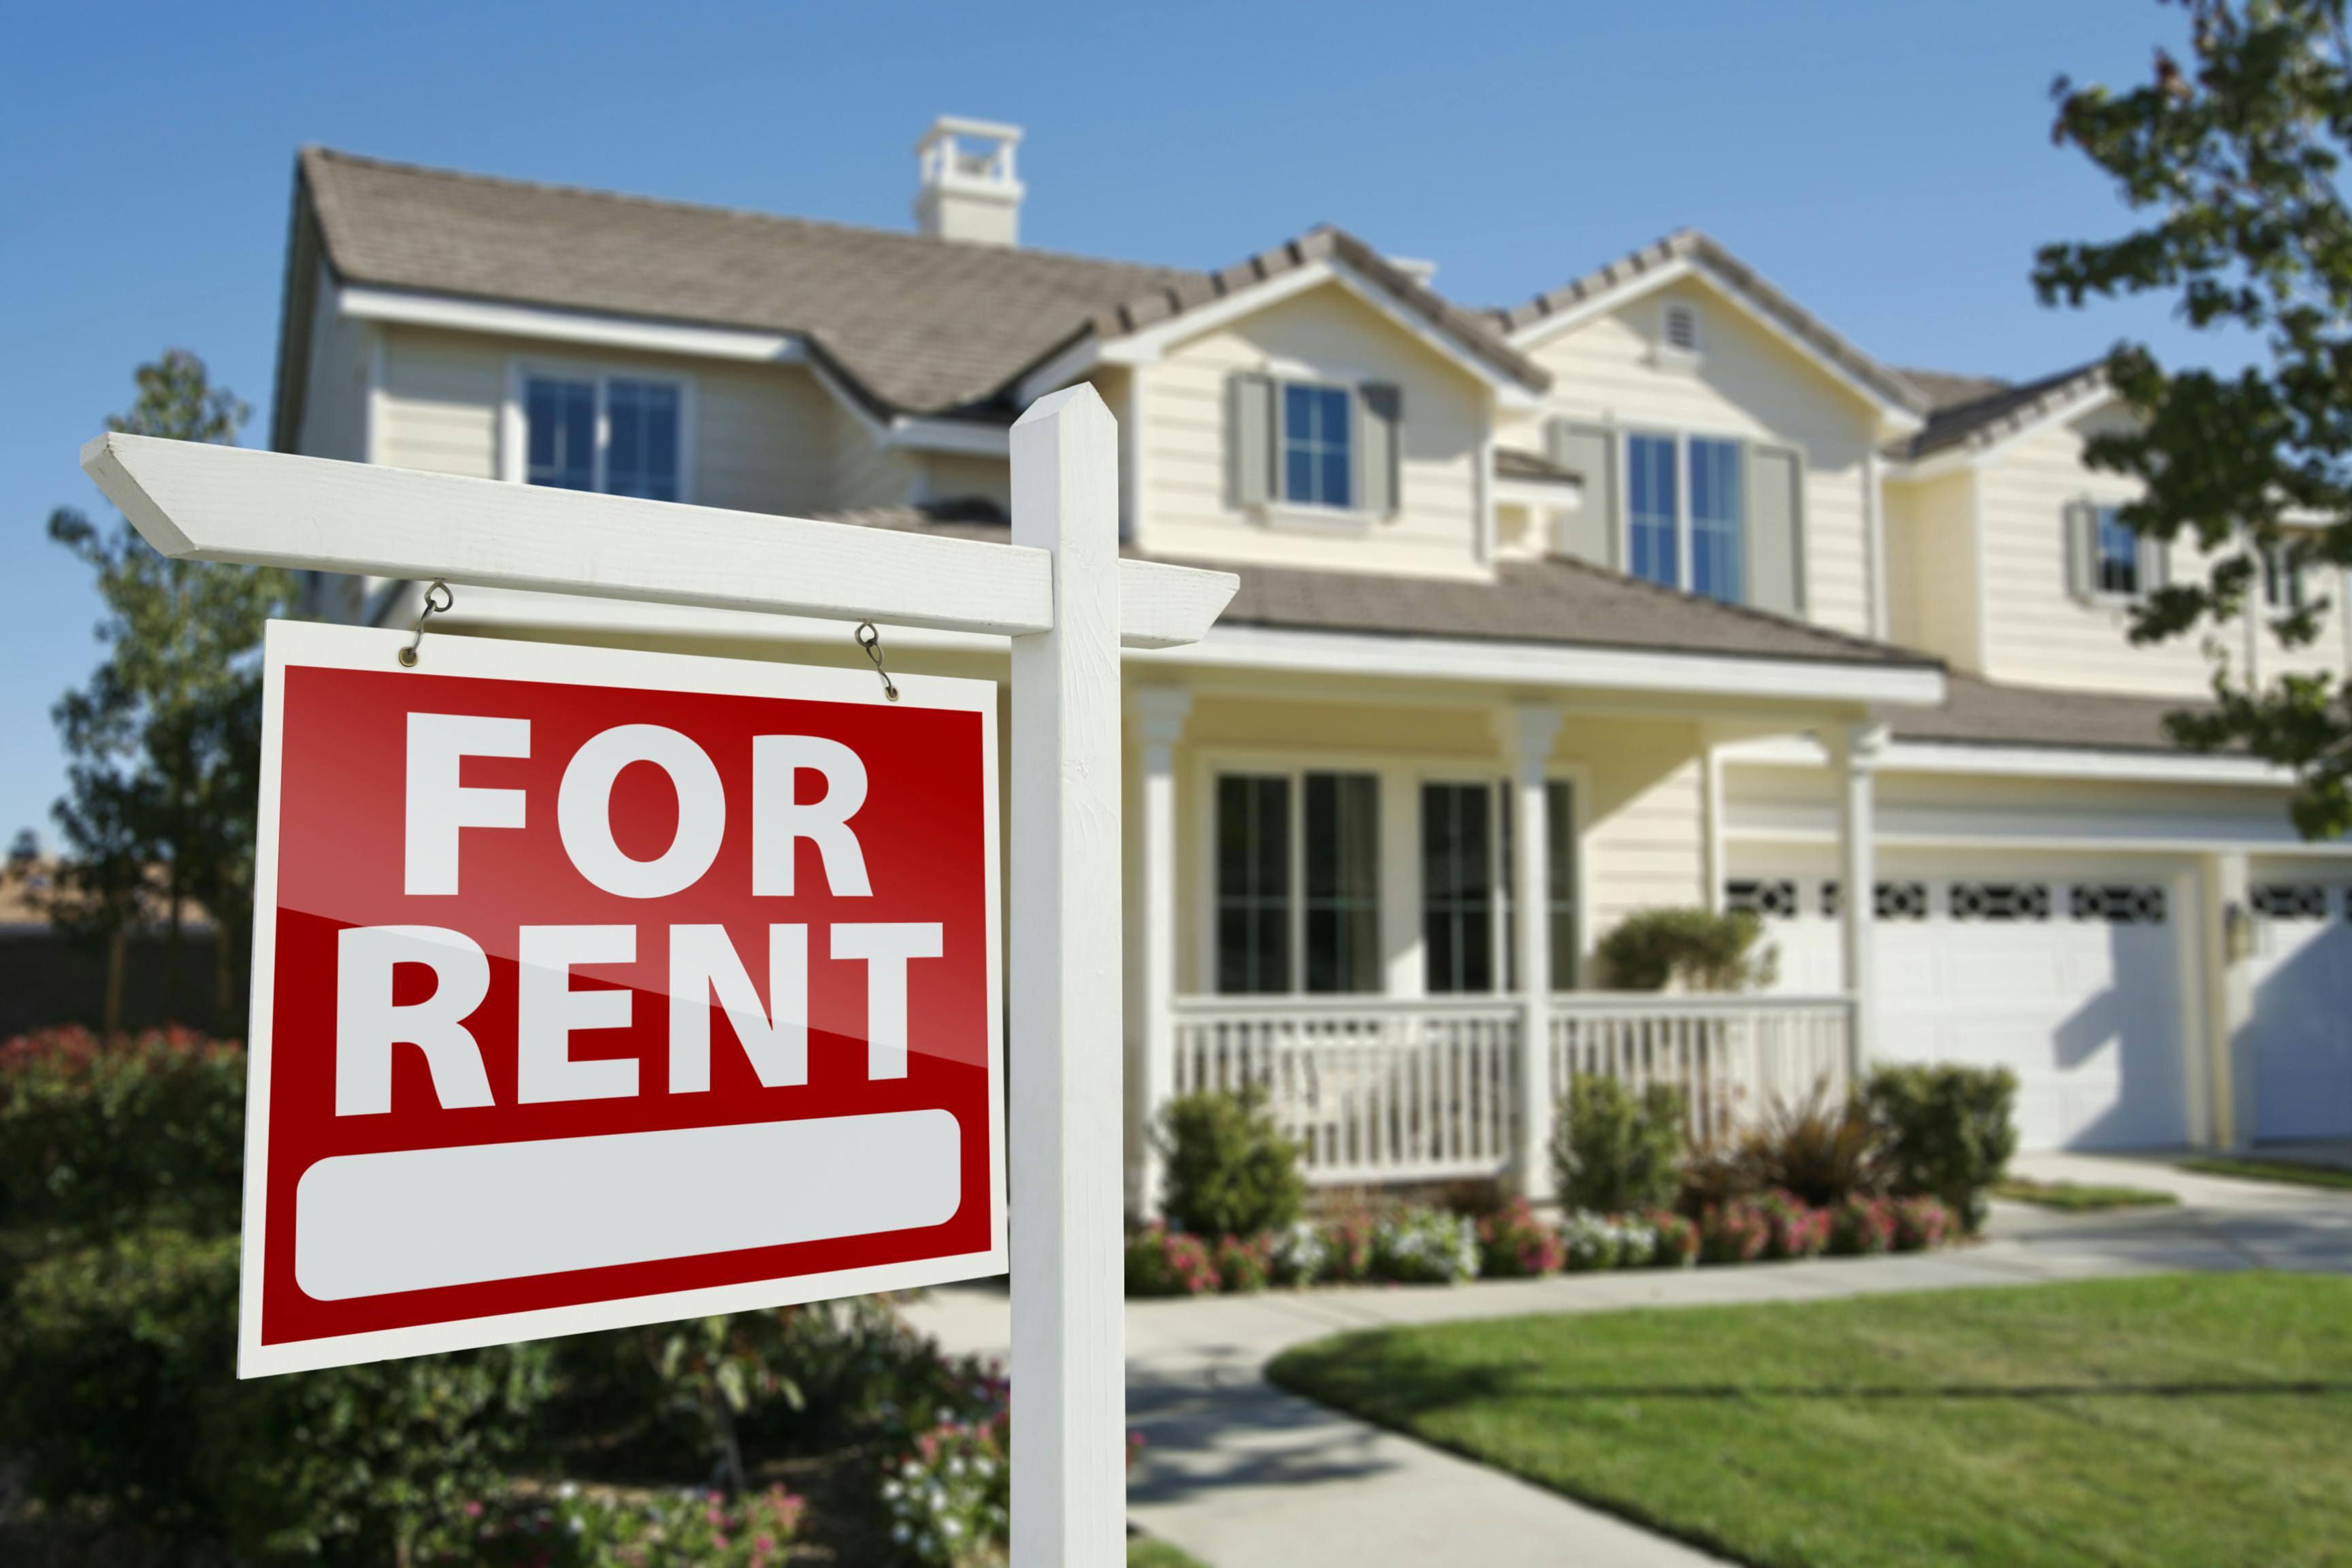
{"points": [[473, 1510]]}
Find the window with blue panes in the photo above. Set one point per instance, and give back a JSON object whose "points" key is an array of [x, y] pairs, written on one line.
{"points": [[1719, 567], [1653, 509], [1317, 438], [614, 434], [2114, 549]]}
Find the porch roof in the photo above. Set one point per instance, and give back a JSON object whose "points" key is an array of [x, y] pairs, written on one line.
{"points": [[1555, 601], [1980, 713]]}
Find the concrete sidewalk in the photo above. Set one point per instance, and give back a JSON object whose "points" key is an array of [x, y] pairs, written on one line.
{"points": [[1243, 1475]]}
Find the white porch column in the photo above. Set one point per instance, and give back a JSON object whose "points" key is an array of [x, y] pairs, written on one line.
{"points": [[1527, 733], [1853, 754], [1160, 713]]}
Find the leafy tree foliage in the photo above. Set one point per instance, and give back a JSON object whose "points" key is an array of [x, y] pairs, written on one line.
{"points": [[2234, 154], [164, 741]]}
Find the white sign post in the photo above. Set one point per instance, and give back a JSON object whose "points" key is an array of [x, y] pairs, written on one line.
{"points": [[1068, 602]]}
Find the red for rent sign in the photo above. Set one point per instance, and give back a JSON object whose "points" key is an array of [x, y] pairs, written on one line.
{"points": [[594, 988]]}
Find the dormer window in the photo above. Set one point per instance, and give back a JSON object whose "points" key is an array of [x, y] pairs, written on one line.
{"points": [[1678, 329], [1317, 445], [620, 435], [2106, 560]]}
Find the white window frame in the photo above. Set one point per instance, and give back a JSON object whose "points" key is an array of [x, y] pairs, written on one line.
{"points": [[1404, 959], [1295, 918], [1501, 786], [514, 434], [2100, 593], [1355, 510], [1685, 537]]}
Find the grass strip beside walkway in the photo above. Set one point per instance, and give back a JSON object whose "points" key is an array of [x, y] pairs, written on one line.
{"points": [[2295, 1172], [2177, 1420], [2081, 1197]]}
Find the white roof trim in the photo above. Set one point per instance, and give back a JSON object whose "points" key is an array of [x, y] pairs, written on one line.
{"points": [[410, 308], [1974, 759], [1899, 419], [1147, 345], [1305, 650]]}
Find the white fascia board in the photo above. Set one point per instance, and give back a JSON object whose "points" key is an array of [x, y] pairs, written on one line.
{"points": [[1147, 345], [407, 307], [2055, 843], [918, 434], [2022, 762], [1898, 420], [1553, 665]]}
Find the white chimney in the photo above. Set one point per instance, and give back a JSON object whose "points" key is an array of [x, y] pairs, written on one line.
{"points": [[969, 192]]}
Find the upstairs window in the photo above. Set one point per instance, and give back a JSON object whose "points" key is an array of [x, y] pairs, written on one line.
{"points": [[1718, 569], [2281, 583], [1317, 445], [618, 435], [2116, 554], [1654, 511]]}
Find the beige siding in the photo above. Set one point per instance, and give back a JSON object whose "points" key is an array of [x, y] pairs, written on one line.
{"points": [[1325, 334], [442, 395], [1931, 568], [864, 473], [763, 435], [334, 385], [1746, 385], [956, 475], [1644, 844], [2038, 635]]}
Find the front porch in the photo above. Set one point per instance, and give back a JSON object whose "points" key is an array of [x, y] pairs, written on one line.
{"points": [[1341, 900]]}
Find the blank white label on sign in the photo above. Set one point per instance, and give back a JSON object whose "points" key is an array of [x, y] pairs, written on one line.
{"points": [[413, 1219]]}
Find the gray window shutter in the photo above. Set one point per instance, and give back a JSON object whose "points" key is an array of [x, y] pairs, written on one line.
{"points": [[2081, 561], [2154, 565], [1776, 530], [1591, 531], [1249, 437], [1380, 473]]}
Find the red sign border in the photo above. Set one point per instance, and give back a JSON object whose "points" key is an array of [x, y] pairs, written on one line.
{"points": [[289, 644]]}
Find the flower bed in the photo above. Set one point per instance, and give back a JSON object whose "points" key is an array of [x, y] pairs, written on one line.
{"points": [[1421, 1246]]}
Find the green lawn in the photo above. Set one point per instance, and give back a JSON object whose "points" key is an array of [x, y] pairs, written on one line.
{"points": [[2189, 1420], [2291, 1171], [1146, 1554], [2081, 1197]]}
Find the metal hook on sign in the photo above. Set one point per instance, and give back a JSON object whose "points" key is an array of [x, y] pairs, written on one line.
{"points": [[871, 641], [408, 654]]}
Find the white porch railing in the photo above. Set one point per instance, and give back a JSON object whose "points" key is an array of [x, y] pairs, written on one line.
{"points": [[1733, 1057], [1377, 1090]]}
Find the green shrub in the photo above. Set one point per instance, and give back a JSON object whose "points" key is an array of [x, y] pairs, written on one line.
{"points": [[1613, 1153], [1821, 1151], [1164, 1262], [1244, 1263], [1425, 1247], [117, 1387], [1704, 950], [100, 1135], [1230, 1170], [1948, 1131]]}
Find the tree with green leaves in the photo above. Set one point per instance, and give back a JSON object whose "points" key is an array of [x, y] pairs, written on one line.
{"points": [[163, 742], [2233, 152]]}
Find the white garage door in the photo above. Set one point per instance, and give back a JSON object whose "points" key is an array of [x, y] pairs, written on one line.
{"points": [[2072, 984], [2302, 1029]]}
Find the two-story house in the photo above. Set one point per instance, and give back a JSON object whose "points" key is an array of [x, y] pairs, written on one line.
{"points": [[1651, 590]]}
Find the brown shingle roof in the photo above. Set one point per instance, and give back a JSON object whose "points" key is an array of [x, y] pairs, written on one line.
{"points": [[918, 324], [1982, 712], [1511, 463], [1549, 601], [1976, 411]]}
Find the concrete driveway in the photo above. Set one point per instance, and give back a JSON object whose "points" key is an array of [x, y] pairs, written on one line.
{"points": [[1243, 1475]]}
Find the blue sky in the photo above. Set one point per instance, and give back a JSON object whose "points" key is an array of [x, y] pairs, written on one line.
{"points": [[1888, 166]]}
